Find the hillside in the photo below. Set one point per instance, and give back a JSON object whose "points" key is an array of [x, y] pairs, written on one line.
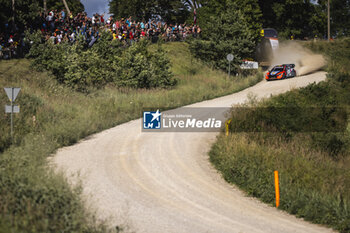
{"points": [[32, 198]]}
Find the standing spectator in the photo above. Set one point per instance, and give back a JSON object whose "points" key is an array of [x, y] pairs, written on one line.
{"points": [[51, 21], [109, 21], [102, 20], [63, 15]]}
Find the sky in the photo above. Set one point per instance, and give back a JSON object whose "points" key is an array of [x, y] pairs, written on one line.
{"points": [[96, 6]]}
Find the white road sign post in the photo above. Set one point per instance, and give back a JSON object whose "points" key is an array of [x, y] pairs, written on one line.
{"points": [[12, 93], [230, 59]]}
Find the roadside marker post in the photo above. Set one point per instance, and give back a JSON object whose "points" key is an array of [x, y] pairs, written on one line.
{"points": [[229, 59], [277, 189], [227, 125], [12, 93]]}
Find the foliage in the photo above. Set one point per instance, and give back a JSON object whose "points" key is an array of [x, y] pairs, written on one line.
{"points": [[224, 33], [340, 14], [169, 10], [314, 167], [27, 11], [249, 8], [142, 68], [106, 62], [304, 18], [288, 17], [75, 6]]}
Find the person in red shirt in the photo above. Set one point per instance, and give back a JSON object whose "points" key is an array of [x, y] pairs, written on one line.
{"points": [[102, 19], [143, 33]]}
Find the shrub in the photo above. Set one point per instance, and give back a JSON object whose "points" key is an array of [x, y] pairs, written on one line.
{"points": [[140, 68], [106, 62]]}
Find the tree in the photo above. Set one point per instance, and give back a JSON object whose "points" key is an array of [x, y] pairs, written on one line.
{"points": [[318, 21], [249, 8], [288, 17], [226, 32], [340, 15], [26, 11], [170, 10], [252, 14], [75, 6], [305, 18]]}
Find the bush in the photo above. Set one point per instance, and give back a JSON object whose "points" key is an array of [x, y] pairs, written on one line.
{"points": [[107, 62], [140, 68], [86, 69]]}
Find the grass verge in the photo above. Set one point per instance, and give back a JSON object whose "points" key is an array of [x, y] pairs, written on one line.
{"points": [[32, 198], [314, 167]]}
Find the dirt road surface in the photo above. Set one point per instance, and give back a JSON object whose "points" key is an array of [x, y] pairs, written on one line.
{"points": [[163, 182]]}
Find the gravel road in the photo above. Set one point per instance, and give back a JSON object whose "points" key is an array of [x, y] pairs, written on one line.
{"points": [[163, 182]]}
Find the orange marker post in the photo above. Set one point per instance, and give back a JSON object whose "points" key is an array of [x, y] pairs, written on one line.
{"points": [[227, 128], [277, 189]]}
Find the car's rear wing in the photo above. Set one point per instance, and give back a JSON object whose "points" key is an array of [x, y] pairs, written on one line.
{"points": [[290, 65]]}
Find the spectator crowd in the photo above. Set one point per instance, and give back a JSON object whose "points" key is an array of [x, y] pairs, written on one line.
{"points": [[57, 26], [12, 45]]}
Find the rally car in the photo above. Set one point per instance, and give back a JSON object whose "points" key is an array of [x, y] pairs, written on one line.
{"points": [[281, 72]]}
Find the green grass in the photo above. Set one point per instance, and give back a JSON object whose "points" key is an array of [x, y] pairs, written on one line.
{"points": [[32, 197], [314, 167]]}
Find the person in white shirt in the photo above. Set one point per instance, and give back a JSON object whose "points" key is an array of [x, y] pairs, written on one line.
{"points": [[93, 20], [59, 38]]}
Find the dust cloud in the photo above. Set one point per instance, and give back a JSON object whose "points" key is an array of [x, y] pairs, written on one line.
{"points": [[306, 62]]}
